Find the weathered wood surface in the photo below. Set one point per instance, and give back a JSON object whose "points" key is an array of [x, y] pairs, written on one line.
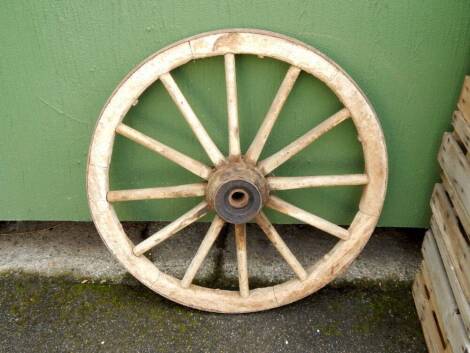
{"points": [[232, 105], [165, 192], [456, 178], [242, 263], [171, 154], [446, 229], [269, 164], [432, 331], [289, 183], [464, 99], [281, 246], [284, 207], [459, 296], [193, 121], [462, 130], [454, 251], [262, 135], [199, 211], [202, 252], [442, 298]]}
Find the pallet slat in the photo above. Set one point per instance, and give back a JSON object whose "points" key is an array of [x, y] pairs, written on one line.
{"points": [[462, 129], [446, 306], [459, 297], [455, 177], [464, 99], [446, 230], [435, 341]]}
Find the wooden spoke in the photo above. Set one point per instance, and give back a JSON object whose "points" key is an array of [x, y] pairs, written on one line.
{"points": [[166, 192], [289, 183], [262, 135], [209, 146], [173, 155], [284, 207], [274, 161], [232, 105], [202, 252], [242, 263], [183, 221], [279, 244]]}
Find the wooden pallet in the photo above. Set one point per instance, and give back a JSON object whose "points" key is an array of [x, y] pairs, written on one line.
{"points": [[464, 99], [442, 287], [455, 177], [461, 125], [437, 309], [433, 333], [454, 159], [454, 250]]}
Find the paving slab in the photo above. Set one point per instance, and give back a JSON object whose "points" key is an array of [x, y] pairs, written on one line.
{"points": [[75, 250], [390, 255]]}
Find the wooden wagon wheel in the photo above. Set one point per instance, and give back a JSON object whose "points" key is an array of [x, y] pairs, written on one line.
{"points": [[237, 186]]}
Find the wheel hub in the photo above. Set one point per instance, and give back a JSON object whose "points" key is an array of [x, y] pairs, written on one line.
{"points": [[237, 192]]}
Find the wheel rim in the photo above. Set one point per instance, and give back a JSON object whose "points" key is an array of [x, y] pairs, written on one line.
{"points": [[230, 43]]}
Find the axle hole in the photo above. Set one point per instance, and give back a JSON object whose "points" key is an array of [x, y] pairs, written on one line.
{"points": [[238, 198], [238, 195]]}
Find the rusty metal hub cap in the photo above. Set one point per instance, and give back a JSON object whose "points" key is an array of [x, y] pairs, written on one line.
{"points": [[237, 192]]}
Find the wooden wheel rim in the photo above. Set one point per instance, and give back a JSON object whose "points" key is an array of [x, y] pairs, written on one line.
{"points": [[237, 41]]}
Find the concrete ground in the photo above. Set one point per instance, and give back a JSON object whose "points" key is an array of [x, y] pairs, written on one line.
{"points": [[75, 250], [63, 292]]}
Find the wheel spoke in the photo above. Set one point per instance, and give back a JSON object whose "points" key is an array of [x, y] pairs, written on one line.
{"points": [[185, 220], [274, 161], [173, 155], [209, 146], [242, 263], [232, 105], [284, 207], [289, 183], [202, 252], [262, 135], [279, 244], [166, 192]]}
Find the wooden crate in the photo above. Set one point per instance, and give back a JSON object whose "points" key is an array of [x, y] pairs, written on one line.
{"points": [[442, 287], [456, 177], [461, 125], [453, 249], [464, 99], [454, 158], [433, 333], [437, 309]]}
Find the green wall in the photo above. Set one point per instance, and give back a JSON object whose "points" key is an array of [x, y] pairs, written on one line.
{"points": [[60, 60]]}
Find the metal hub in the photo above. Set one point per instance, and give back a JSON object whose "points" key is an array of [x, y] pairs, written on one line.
{"points": [[237, 192]]}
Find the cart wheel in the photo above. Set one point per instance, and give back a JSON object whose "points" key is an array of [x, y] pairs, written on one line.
{"points": [[238, 186]]}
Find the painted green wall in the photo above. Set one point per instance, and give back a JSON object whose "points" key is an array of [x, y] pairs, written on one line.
{"points": [[60, 60]]}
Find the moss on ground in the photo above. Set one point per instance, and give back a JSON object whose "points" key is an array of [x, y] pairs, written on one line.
{"points": [[71, 316]]}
